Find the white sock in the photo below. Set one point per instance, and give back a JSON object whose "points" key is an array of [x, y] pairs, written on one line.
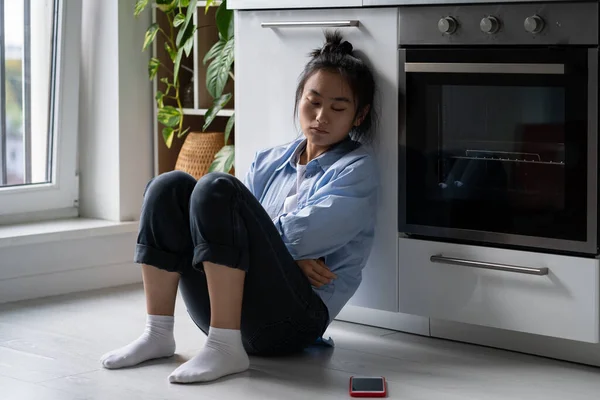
{"points": [[223, 354], [157, 341]]}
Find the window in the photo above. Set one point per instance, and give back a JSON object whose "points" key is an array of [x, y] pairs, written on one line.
{"points": [[39, 88]]}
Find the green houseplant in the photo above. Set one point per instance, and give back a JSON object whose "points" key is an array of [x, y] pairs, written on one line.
{"points": [[179, 40], [220, 60]]}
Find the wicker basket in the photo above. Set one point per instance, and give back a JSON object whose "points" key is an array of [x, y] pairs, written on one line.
{"points": [[198, 152]]}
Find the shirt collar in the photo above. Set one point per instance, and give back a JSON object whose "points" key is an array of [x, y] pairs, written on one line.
{"points": [[294, 159], [326, 159]]}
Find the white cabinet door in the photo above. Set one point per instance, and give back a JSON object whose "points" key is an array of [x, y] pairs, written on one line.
{"points": [[282, 4], [268, 62], [449, 282]]}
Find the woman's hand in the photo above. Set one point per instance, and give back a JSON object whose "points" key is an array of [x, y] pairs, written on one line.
{"points": [[317, 272]]}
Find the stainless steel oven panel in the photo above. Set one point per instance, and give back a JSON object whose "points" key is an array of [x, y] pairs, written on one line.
{"points": [[402, 157], [367, 3], [565, 24], [590, 246], [486, 68], [592, 196]]}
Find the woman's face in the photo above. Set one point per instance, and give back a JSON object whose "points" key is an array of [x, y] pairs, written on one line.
{"points": [[327, 109]]}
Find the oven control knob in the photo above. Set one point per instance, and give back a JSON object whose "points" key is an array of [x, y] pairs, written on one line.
{"points": [[534, 24], [489, 25], [447, 25]]}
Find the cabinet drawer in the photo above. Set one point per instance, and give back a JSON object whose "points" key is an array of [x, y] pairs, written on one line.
{"points": [[457, 285]]}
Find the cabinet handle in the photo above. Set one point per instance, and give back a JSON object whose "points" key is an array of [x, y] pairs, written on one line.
{"points": [[486, 265], [310, 24]]}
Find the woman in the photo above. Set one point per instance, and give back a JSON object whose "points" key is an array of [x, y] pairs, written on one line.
{"points": [[264, 267]]}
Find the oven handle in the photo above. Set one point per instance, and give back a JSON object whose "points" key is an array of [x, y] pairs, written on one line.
{"points": [[310, 24], [485, 68], [486, 265]]}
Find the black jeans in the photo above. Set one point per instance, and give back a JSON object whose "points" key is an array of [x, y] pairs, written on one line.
{"points": [[217, 219]]}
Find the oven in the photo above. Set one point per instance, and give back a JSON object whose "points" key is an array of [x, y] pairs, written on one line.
{"points": [[499, 124]]}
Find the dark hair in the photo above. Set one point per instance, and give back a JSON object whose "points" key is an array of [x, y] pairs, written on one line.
{"points": [[337, 55]]}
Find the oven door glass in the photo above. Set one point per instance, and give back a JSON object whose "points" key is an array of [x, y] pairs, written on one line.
{"points": [[496, 141]]}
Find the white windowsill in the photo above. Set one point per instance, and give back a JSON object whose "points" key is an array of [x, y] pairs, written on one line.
{"points": [[50, 231]]}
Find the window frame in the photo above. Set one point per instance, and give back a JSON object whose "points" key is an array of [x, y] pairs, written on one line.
{"points": [[61, 196]]}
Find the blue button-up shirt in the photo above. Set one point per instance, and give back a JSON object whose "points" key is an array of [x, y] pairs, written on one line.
{"points": [[335, 214]]}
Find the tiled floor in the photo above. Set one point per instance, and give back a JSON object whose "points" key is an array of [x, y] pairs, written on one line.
{"points": [[49, 350]]}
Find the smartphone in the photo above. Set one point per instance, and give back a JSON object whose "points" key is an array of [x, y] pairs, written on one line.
{"points": [[367, 386]]}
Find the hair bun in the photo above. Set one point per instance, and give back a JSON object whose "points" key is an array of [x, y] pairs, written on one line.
{"points": [[345, 48], [334, 44]]}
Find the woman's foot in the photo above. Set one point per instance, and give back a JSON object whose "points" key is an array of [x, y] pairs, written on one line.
{"points": [[157, 341], [223, 354]]}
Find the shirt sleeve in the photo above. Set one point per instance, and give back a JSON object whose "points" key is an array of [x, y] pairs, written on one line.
{"points": [[334, 215], [249, 178]]}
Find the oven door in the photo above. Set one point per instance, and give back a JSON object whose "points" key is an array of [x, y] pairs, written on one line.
{"points": [[500, 146]]}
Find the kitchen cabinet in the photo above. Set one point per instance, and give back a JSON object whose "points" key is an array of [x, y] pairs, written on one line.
{"points": [[283, 4], [562, 302], [268, 63]]}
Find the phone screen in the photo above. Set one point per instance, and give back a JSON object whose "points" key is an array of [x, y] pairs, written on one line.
{"points": [[367, 384]]}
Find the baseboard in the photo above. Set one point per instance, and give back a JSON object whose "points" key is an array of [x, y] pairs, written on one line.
{"points": [[73, 262], [561, 349], [385, 319], [77, 280]]}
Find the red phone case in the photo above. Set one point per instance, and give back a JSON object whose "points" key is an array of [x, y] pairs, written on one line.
{"points": [[384, 394]]}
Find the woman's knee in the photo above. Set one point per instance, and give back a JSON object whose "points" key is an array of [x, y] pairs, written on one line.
{"points": [[169, 187], [214, 188]]}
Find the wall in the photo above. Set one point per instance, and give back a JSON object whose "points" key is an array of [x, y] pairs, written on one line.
{"points": [[135, 110], [116, 111]]}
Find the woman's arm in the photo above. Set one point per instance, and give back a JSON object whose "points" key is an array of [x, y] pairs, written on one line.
{"points": [[334, 215]]}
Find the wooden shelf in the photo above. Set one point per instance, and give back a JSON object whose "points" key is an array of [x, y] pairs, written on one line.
{"points": [[202, 111]]}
